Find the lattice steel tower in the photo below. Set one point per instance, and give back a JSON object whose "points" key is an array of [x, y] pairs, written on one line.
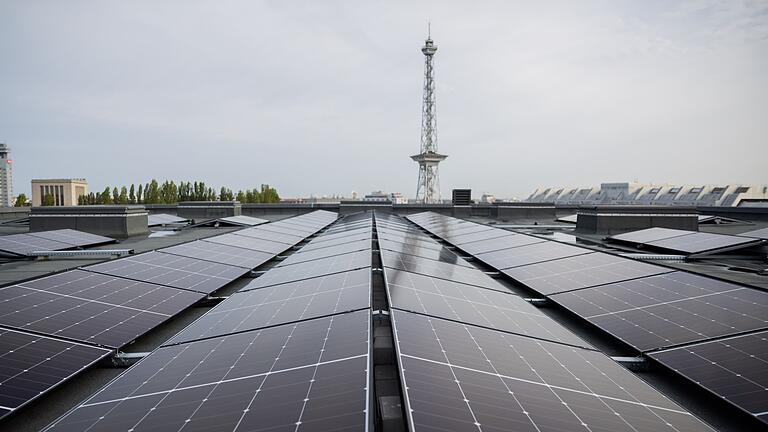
{"points": [[428, 189]]}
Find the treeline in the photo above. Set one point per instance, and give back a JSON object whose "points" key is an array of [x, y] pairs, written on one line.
{"points": [[170, 193]]}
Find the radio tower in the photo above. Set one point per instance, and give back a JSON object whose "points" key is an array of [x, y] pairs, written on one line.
{"points": [[428, 188]]}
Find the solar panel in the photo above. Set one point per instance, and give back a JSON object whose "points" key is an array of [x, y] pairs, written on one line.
{"points": [[291, 230], [499, 243], [477, 236], [670, 309], [703, 242], [460, 377], [257, 233], [249, 243], [23, 244], [580, 271], [31, 365], [530, 254], [220, 253], [471, 305], [281, 304], [171, 270], [73, 237], [243, 220], [649, 235], [311, 269], [463, 229], [164, 219], [438, 269], [341, 226], [311, 375], [732, 368], [90, 307], [315, 244], [760, 233], [341, 249], [442, 255]]}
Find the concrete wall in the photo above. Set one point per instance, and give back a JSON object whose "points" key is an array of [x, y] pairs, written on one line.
{"points": [[201, 210], [111, 220], [611, 220]]}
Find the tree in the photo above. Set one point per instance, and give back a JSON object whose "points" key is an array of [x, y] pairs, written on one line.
{"points": [[140, 195], [226, 194], [48, 200], [21, 200], [241, 196], [115, 196], [132, 195], [123, 197], [105, 197], [152, 193]]}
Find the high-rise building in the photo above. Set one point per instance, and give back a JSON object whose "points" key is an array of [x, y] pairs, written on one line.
{"points": [[6, 177], [428, 188]]}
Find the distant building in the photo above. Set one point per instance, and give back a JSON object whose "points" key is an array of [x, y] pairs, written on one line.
{"points": [[376, 196], [6, 177], [652, 194], [65, 191], [487, 199], [398, 198]]}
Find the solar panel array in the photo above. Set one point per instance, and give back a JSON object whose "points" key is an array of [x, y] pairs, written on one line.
{"points": [[62, 239], [484, 359], [685, 242], [55, 326], [710, 331], [164, 219], [291, 354], [243, 220]]}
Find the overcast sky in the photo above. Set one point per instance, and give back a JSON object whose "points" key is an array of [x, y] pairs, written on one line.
{"points": [[321, 97]]}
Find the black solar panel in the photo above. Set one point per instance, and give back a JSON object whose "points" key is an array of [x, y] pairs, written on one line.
{"points": [[468, 304], [649, 235], [733, 368], [441, 270], [163, 219], [73, 237], [251, 243], [477, 236], [530, 254], [220, 253], [311, 269], [23, 244], [342, 227], [760, 233], [90, 307], [442, 255], [580, 271], [462, 230], [172, 270], [31, 365], [703, 242], [316, 244], [312, 376], [257, 233], [499, 243], [460, 377], [311, 255], [281, 304], [243, 220], [670, 309], [291, 229]]}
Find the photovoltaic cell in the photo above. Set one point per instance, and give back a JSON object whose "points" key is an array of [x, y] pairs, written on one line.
{"points": [[257, 233], [419, 241], [172, 270], [251, 243], [438, 269], [23, 244], [311, 375], [477, 236], [339, 237], [734, 368], [243, 220], [90, 307], [760, 233], [73, 237], [301, 256], [670, 309], [442, 255], [311, 269], [461, 377], [284, 228], [530, 254], [31, 365], [703, 242], [580, 271], [499, 243], [281, 304], [468, 304], [313, 245], [220, 253], [649, 235]]}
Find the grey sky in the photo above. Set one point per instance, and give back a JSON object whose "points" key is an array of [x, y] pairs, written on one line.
{"points": [[319, 97]]}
